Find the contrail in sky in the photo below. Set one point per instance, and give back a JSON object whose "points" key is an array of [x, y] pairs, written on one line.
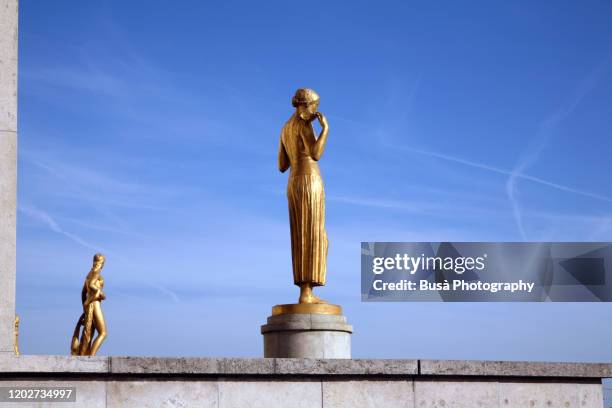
{"points": [[505, 172]]}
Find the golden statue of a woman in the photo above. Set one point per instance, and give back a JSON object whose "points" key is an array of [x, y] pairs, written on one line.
{"points": [[300, 150], [92, 319], [16, 335]]}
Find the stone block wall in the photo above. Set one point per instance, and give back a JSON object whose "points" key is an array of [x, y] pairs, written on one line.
{"points": [[285, 383]]}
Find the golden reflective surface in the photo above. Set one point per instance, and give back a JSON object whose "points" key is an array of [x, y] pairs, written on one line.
{"points": [[314, 308], [84, 342], [16, 336], [299, 150]]}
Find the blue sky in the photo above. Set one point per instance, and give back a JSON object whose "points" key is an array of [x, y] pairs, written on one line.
{"points": [[149, 131]]}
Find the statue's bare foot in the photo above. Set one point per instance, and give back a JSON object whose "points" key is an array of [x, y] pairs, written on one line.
{"points": [[319, 300], [306, 295], [312, 299]]}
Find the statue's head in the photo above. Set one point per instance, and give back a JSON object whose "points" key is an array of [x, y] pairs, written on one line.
{"points": [[98, 261], [306, 103]]}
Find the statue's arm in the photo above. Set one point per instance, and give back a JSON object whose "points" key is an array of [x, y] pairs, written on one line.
{"points": [[95, 291], [101, 286], [84, 293], [283, 158], [317, 148]]}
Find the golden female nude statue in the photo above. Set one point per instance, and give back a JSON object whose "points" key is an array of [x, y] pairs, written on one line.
{"points": [[16, 335], [300, 151], [92, 319]]}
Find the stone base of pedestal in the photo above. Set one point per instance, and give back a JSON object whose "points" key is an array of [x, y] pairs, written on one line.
{"points": [[303, 335]]}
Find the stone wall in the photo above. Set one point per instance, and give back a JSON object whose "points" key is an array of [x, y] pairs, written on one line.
{"points": [[8, 169], [270, 383]]}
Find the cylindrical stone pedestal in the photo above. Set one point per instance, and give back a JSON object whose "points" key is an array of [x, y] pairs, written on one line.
{"points": [[304, 335]]}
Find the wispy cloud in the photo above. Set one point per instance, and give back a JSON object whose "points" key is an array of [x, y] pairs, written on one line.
{"points": [[505, 172], [165, 291], [89, 80], [46, 219], [72, 184], [104, 228], [440, 205], [79, 176], [541, 140], [83, 183]]}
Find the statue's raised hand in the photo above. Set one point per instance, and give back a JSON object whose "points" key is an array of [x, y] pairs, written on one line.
{"points": [[322, 120]]}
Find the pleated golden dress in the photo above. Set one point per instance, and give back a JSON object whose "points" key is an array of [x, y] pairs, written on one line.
{"points": [[306, 196]]}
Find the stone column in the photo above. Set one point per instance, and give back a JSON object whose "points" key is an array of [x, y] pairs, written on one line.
{"points": [[8, 170]]}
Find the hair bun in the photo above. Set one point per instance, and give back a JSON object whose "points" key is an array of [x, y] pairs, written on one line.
{"points": [[304, 96]]}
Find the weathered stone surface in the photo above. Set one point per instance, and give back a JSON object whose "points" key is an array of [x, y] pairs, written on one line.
{"points": [[8, 228], [89, 394], [8, 170], [8, 65], [307, 336], [455, 394], [153, 381], [367, 394], [270, 394], [242, 366], [537, 369], [539, 395], [154, 394], [53, 364], [297, 366], [452, 367], [515, 368], [549, 395], [164, 365], [590, 395], [345, 367], [304, 321], [262, 366], [307, 344]]}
